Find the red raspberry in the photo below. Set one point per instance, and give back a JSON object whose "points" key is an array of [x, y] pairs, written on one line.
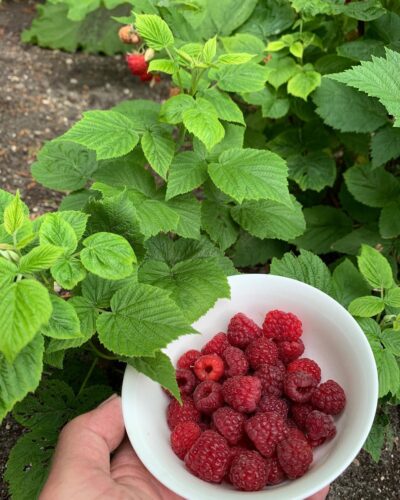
{"points": [[242, 330], [269, 402], [208, 396], [295, 457], [208, 458], [271, 377], [300, 412], [137, 64], [299, 386], [290, 350], [261, 351], [249, 471], [235, 362], [305, 365], [266, 430], [320, 426], [146, 77], [216, 345], [183, 438], [242, 393], [176, 414], [329, 397], [295, 433], [282, 326], [229, 423], [186, 381], [187, 360], [209, 367], [276, 474]]}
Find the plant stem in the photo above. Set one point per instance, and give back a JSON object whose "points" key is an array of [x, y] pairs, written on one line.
{"points": [[177, 74], [90, 371], [101, 354]]}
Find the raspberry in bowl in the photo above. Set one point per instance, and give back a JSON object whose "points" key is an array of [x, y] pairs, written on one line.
{"points": [[290, 420]]}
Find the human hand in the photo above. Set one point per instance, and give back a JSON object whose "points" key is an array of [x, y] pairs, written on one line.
{"points": [[94, 461]]}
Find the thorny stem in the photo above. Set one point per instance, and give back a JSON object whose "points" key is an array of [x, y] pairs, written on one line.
{"points": [[85, 380]]}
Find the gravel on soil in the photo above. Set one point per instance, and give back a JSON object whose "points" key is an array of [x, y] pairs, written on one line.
{"points": [[42, 93]]}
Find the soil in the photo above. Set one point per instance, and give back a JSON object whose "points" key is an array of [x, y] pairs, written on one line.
{"points": [[42, 93]]}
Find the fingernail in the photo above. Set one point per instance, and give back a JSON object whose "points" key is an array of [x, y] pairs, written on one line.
{"points": [[113, 396]]}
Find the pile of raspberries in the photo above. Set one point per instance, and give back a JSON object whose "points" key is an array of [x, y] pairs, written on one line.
{"points": [[253, 409]]}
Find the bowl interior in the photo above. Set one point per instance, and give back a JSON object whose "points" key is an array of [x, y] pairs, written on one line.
{"points": [[331, 337]]}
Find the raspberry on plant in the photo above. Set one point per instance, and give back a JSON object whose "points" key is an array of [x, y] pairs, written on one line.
{"points": [[295, 457], [209, 367], [187, 360], [276, 474], [216, 345], [299, 386], [329, 397], [229, 423], [235, 362], [282, 326], [249, 471], [261, 351], [242, 330], [208, 458], [270, 402], [208, 396], [320, 426], [242, 393], [183, 438], [300, 412], [266, 430], [186, 380], [305, 365], [137, 64], [177, 413], [290, 350], [271, 377]]}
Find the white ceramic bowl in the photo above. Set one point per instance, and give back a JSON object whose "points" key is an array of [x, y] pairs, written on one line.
{"points": [[331, 336]]}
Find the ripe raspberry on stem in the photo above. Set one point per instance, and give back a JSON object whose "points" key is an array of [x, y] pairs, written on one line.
{"points": [[137, 63], [209, 367], [282, 326], [242, 330]]}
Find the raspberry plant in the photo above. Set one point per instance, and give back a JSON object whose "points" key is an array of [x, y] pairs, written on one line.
{"points": [[280, 145]]}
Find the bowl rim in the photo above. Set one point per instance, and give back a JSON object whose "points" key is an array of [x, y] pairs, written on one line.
{"points": [[130, 374]]}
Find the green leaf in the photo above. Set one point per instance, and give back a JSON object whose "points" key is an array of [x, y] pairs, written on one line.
{"points": [[233, 138], [280, 70], [269, 18], [392, 297], [188, 171], [270, 219], [367, 10], [385, 145], [302, 84], [272, 106], [163, 66], [388, 372], [225, 107], [366, 307], [24, 307], [249, 77], [154, 31], [202, 121], [216, 220], [64, 322], [159, 148], [346, 109], [220, 18], [251, 174], [68, 272], [391, 339], [172, 110], [315, 170], [77, 220], [307, 267], [373, 187], [39, 258], [235, 58], [348, 283], [22, 376], [187, 208], [389, 220], [108, 255], [209, 50], [5, 199], [109, 133], [325, 225], [142, 113], [57, 232], [14, 215], [64, 166], [250, 251], [359, 50], [244, 42], [376, 439], [87, 314], [99, 291], [351, 243], [377, 78], [75, 201], [8, 271], [159, 369], [375, 268], [143, 320]]}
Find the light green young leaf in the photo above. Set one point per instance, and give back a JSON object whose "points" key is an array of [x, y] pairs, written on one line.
{"points": [[315, 171], [225, 107], [14, 215], [64, 322], [280, 70], [109, 133], [209, 50], [108, 255], [385, 145], [154, 31], [77, 220], [251, 174], [57, 232], [39, 258], [244, 42], [159, 369], [5, 199], [392, 297], [389, 220], [8, 271], [216, 220], [348, 283], [172, 110], [202, 121], [366, 307], [188, 171], [233, 138], [68, 272], [303, 83], [22, 376], [143, 319], [235, 58], [249, 77], [375, 268], [159, 148], [24, 307], [163, 66]]}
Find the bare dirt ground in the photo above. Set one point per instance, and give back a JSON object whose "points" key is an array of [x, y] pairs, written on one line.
{"points": [[42, 93]]}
